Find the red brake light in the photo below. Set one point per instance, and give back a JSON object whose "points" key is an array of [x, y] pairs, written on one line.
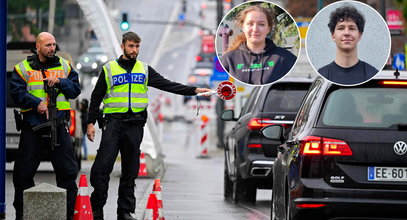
{"points": [[73, 124], [307, 206], [192, 79], [254, 145], [312, 145], [257, 123], [334, 147], [198, 58], [394, 82]]}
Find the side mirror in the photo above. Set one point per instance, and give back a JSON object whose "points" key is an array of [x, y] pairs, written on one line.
{"points": [[228, 115], [273, 132]]}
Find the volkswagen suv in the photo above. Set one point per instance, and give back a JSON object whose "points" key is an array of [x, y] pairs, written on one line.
{"points": [[346, 155]]}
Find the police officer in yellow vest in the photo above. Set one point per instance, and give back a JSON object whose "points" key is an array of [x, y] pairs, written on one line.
{"points": [[27, 91], [122, 86]]}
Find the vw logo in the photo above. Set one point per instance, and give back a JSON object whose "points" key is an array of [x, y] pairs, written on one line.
{"points": [[400, 147]]}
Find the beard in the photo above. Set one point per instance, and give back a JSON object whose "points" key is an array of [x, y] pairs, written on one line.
{"points": [[48, 55], [130, 56]]}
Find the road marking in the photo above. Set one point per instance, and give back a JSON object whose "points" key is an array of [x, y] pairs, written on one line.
{"points": [[254, 210]]}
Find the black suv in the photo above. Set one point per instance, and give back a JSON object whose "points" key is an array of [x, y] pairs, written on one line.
{"points": [[346, 155], [249, 156]]}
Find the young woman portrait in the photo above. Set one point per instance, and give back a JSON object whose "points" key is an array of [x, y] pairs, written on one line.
{"points": [[264, 45]]}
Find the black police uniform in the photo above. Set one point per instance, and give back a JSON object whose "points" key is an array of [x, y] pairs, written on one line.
{"points": [[32, 143], [122, 132]]}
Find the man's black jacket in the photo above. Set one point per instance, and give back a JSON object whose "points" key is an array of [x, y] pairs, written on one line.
{"points": [[18, 87], [154, 80]]}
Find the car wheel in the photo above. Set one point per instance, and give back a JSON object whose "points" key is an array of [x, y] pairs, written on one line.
{"points": [[238, 189], [227, 184], [243, 191]]}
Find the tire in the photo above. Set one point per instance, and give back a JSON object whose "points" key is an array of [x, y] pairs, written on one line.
{"points": [[238, 189], [243, 191], [227, 184]]}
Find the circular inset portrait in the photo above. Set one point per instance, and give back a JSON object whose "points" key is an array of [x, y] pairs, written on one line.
{"points": [[257, 42], [348, 42]]}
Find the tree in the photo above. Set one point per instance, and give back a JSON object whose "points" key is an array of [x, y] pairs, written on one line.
{"points": [[17, 16]]}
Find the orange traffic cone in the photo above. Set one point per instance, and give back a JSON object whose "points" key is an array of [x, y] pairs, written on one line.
{"points": [[151, 209], [83, 209], [143, 167], [157, 191]]}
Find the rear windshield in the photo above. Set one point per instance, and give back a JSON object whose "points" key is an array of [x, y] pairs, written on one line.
{"points": [[285, 97], [366, 107]]}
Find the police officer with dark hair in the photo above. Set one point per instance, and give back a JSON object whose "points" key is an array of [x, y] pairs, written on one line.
{"points": [[27, 90], [122, 86]]}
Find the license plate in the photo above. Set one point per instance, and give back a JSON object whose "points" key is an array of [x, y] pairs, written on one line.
{"points": [[387, 174]]}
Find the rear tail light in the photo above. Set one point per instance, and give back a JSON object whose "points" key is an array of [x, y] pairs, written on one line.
{"points": [[334, 147], [393, 82], [309, 206], [198, 58], [73, 123], [192, 79], [312, 145], [259, 123], [254, 145]]}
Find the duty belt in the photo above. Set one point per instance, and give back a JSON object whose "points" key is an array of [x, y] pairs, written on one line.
{"points": [[126, 116]]}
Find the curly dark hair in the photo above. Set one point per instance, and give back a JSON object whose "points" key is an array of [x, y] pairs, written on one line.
{"points": [[346, 13]]}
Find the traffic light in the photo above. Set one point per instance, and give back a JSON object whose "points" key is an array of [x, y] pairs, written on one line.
{"points": [[124, 25], [184, 6]]}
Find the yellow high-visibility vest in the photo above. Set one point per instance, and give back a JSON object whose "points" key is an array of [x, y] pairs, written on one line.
{"points": [[125, 90], [35, 83]]}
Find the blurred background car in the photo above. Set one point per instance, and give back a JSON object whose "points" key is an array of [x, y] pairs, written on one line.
{"points": [[90, 63], [347, 150], [204, 57], [249, 157], [200, 78]]}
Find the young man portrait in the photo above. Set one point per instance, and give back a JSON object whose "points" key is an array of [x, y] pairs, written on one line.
{"points": [[355, 48]]}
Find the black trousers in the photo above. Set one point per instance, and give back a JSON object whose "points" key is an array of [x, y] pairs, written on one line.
{"points": [[126, 137], [30, 152]]}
